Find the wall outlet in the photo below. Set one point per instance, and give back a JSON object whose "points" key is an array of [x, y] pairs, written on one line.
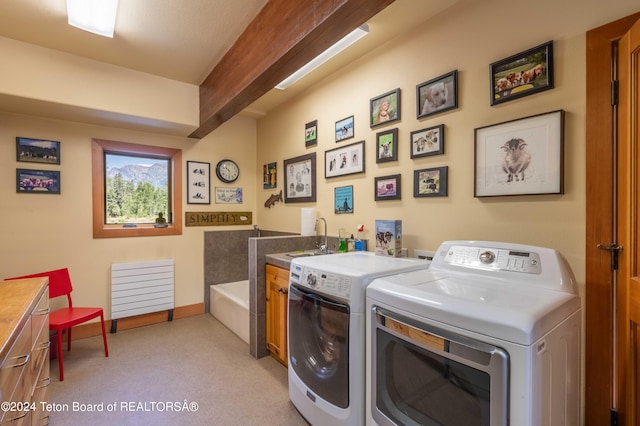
{"points": [[424, 254]]}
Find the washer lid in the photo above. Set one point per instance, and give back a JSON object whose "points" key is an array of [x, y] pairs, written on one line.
{"points": [[513, 313]]}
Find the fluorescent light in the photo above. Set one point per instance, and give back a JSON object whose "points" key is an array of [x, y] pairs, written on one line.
{"points": [[96, 16], [342, 44]]}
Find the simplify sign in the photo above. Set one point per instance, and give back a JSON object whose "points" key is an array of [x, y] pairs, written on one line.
{"points": [[217, 218]]}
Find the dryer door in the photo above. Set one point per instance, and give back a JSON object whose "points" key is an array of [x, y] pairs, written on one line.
{"points": [[319, 344]]}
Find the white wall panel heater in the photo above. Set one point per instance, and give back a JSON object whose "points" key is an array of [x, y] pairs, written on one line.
{"points": [[140, 288]]}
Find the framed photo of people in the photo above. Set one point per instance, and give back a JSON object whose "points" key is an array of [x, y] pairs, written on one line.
{"points": [[300, 179]]}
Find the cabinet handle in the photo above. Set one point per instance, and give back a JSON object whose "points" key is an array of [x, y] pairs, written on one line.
{"points": [[44, 311], [46, 382], [23, 415], [20, 364], [44, 345], [283, 290]]}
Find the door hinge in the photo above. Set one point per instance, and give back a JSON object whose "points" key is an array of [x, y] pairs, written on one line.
{"points": [[614, 249], [614, 92], [614, 418]]}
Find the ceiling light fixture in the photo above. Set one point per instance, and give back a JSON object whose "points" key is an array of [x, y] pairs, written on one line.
{"points": [[95, 16], [342, 44]]}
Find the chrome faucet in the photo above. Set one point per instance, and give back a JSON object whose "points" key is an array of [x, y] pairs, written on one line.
{"points": [[324, 248]]}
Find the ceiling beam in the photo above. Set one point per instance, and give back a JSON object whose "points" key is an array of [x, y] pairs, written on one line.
{"points": [[284, 36]]}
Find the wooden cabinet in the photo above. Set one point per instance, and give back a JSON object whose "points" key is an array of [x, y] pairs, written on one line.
{"points": [[24, 351], [277, 281]]}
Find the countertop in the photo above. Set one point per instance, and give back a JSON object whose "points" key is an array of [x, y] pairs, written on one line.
{"points": [[281, 260]]}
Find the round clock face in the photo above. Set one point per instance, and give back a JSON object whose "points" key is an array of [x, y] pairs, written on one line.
{"points": [[227, 171]]}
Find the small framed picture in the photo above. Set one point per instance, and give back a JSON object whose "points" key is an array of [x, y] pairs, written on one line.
{"points": [[37, 181], [311, 133], [387, 146], [426, 142], [520, 157], [344, 129], [430, 182], [522, 74], [387, 188], [198, 182], [343, 199], [226, 195], [37, 150], [437, 95], [270, 176], [300, 179], [345, 160], [384, 109]]}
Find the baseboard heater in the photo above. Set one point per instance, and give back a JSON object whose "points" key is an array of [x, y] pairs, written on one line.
{"points": [[141, 288]]}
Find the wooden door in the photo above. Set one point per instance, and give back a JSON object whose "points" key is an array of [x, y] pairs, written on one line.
{"points": [[277, 281], [628, 280]]}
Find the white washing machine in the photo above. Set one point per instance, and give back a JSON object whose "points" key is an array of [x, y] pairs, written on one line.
{"points": [[489, 335], [326, 332]]}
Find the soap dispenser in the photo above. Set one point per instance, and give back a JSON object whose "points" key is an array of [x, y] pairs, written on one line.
{"points": [[351, 243]]}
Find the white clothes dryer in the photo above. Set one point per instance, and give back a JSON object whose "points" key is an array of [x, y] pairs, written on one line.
{"points": [[326, 332], [489, 335]]}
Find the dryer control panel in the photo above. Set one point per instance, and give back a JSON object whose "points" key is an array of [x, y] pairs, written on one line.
{"points": [[321, 281], [494, 259]]}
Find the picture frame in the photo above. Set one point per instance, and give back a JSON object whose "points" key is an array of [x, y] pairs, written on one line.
{"points": [[270, 175], [345, 160], [384, 109], [520, 157], [432, 182], [228, 195], [300, 179], [387, 146], [30, 181], [43, 151], [343, 199], [388, 187], [437, 95], [522, 74], [311, 133], [427, 142], [198, 182], [344, 129]]}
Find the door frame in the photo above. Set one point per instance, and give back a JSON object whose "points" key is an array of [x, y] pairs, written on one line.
{"points": [[599, 296]]}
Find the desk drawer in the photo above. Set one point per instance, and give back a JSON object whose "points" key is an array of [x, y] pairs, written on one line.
{"points": [[13, 366]]}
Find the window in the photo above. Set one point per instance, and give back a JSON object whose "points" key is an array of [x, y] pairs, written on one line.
{"points": [[128, 207]]}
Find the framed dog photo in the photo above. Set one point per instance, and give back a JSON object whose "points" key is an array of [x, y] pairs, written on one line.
{"points": [[522, 74], [385, 108], [300, 179], [387, 187], [520, 157], [426, 142], [37, 150], [387, 146], [437, 95], [343, 199], [344, 129], [37, 181], [311, 133], [430, 182], [345, 160]]}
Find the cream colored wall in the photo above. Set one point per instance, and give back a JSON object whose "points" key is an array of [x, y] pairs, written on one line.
{"points": [[46, 231], [468, 38]]}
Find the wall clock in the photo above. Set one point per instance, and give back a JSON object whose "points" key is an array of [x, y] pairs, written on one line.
{"points": [[227, 171]]}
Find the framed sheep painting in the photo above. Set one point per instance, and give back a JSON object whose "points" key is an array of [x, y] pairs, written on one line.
{"points": [[520, 157]]}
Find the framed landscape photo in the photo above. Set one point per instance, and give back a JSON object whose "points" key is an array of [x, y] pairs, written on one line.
{"points": [[426, 142], [37, 150], [387, 146], [344, 129], [198, 182], [522, 74], [387, 188], [437, 95], [384, 109], [345, 160], [30, 181], [300, 179], [311, 133], [343, 199], [430, 182], [520, 157]]}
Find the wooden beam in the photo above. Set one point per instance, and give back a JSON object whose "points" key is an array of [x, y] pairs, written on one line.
{"points": [[285, 35]]}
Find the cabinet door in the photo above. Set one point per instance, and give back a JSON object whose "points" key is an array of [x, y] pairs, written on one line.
{"points": [[277, 282]]}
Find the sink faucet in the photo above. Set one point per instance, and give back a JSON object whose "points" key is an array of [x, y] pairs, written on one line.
{"points": [[324, 247]]}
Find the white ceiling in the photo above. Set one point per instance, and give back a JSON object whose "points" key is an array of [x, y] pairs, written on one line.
{"points": [[184, 39]]}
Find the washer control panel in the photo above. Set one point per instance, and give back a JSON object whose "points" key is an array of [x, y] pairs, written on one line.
{"points": [[321, 281], [494, 259]]}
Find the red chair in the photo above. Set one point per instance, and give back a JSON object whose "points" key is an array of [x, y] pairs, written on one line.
{"points": [[65, 318]]}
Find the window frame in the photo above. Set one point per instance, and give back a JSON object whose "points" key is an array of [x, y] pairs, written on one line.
{"points": [[102, 230]]}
